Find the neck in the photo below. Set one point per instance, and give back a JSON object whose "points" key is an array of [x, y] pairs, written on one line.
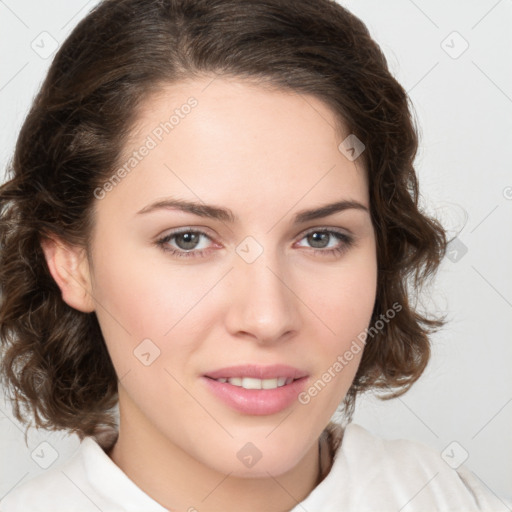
{"points": [[179, 481]]}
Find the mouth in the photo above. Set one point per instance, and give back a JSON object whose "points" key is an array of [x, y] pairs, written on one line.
{"points": [[256, 390], [253, 383]]}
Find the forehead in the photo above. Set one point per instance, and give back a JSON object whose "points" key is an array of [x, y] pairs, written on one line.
{"points": [[228, 141]]}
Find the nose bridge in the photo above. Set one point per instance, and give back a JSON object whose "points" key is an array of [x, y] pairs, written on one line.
{"points": [[263, 304]]}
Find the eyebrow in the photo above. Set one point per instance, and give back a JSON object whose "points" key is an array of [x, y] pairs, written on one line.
{"points": [[226, 215]]}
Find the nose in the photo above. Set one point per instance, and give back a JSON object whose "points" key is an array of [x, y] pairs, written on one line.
{"points": [[263, 306]]}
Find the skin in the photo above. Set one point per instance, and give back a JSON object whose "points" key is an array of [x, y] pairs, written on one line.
{"points": [[266, 154]]}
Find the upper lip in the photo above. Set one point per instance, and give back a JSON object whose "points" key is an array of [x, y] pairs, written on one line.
{"points": [[257, 372]]}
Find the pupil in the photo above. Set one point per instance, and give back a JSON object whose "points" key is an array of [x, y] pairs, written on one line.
{"points": [[317, 237], [190, 240]]}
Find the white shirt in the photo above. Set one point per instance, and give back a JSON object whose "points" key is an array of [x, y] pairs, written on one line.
{"points": [[368, 474]]}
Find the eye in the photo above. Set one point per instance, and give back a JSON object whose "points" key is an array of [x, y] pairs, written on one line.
{"points": [[321, 238], [186, 243]]}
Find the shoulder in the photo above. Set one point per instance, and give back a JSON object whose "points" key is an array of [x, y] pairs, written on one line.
{"points": [[67, 482], [418, 472], [88, 481], [363, 448], [372, 473]]}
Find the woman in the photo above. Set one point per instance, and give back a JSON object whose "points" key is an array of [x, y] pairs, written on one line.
{"points": [[212, 222]]}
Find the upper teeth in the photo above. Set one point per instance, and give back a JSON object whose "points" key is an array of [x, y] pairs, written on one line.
{"points": [[251, 383]]}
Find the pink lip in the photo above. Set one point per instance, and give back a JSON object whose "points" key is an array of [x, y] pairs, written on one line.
{"points": [[257, 372], [257, 402]]}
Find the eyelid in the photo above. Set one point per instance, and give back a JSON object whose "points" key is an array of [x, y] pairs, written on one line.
{"points": [[346, 241], [344, 235], [314, 229], [163, 242], [185, 229], [207, 232]]}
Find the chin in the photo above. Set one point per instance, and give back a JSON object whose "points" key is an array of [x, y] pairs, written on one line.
{"points": [[257, 460], [273, 466]]}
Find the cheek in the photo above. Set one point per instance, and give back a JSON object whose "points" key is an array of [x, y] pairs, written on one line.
{"points": [[345, 308], [145, 298], [140, 295], [162, 303], [340, 303], [344, 297]]}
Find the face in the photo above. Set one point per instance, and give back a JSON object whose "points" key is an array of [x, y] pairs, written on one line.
{"points": [[201, 306]]}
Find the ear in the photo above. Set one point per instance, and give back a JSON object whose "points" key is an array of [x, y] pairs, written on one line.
{"points": [[69, 268]]}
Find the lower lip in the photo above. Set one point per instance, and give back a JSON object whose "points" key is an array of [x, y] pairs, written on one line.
{"points": [[257, 402]]}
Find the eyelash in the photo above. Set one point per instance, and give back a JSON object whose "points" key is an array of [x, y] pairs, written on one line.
{"points": [[163, 242]]}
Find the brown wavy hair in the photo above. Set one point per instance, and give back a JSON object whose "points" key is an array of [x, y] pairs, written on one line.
{"points": [[54, 359]]}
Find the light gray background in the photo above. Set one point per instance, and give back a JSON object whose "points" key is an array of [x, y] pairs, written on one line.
{"points": [[463, 102]]}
